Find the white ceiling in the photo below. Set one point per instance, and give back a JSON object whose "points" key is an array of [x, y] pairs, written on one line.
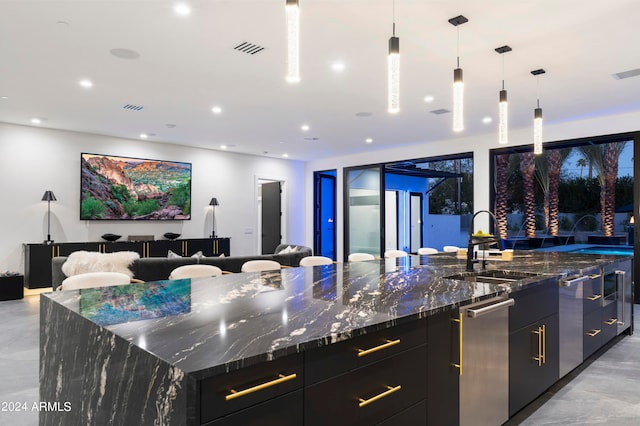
{"points": [[188, 64]]}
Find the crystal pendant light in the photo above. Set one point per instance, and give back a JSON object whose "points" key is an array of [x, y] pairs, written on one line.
{"points": [[503, 108], [537, 117], [293, 41], [458, 84], [393, 69]]}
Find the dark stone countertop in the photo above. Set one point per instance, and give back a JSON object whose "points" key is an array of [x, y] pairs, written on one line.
{"points": [[209, 326]]}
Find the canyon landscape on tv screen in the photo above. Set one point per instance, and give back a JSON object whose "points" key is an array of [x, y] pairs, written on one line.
{"points": [[123, 188]]}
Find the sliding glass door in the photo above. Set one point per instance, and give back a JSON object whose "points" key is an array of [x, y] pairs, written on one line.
{"points": [[364, 219]]}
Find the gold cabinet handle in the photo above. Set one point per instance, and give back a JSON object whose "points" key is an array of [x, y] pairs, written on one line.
{"points": [[544, 344], [594, 333], [365, 352], [540, 357], [281, 379], [611, 321], [459, 366], [389, 391], [594, 276], [594, 297]]}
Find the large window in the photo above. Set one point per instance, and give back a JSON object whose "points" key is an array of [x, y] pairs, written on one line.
{"points": [[578, 191]]}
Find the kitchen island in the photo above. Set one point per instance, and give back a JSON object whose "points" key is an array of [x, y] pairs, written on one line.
{"points": [[261, 346]]}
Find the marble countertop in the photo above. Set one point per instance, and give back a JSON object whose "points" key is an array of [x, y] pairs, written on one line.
{"points": [[209, 326]]}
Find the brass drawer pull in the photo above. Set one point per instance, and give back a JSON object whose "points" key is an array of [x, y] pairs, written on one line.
{"points": [[594, 297], [281, 379], [594, 276], [542, 345], [365, 352], [611, 321], [459, 365], [389, 391], [594, 333]]}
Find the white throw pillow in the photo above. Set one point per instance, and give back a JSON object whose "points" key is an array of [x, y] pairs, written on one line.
{"points": [[80, 262], [286, 250], [172, 255], [198, 255]]}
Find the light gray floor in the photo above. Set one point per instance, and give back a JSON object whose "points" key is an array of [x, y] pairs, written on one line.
{"points": [[607, 391]]}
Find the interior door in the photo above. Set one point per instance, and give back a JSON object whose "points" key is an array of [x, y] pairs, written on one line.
{"points": [[391, 235], [271, 217], [415, 221], [325, 213]]}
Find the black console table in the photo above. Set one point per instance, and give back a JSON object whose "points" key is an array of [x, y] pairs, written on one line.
{"points": [[37, 257]]}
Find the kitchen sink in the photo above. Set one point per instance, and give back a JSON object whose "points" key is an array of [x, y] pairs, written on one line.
{"points": [[492, 276]]}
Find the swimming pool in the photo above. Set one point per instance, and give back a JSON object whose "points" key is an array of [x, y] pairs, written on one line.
{"points": [[592, 249]]}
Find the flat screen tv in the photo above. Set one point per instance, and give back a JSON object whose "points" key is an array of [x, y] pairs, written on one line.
{"points": [[124, 188]]}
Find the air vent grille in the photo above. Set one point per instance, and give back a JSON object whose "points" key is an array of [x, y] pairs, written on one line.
{"points": [[133, 107], [249, 48], [439, 111], [627, 74]]}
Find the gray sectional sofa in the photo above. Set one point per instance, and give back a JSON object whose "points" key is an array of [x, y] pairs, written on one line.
{"points": [[159, 268]]}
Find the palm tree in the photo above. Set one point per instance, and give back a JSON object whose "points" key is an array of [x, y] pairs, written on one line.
{"points": [[604, 160], [612, 155], [502, 178], [555, 159], [527, 167], [582, 163]]}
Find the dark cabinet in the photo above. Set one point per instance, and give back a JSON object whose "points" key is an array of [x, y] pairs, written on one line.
{"points": [[443, 387], [248, 388], [285, 410], [534, 355], [370, 394], [37, 257], [533, 361]]}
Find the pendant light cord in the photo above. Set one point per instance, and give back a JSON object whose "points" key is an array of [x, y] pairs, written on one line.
{"points": [[393, 15], [458, 46], [502, 71]]}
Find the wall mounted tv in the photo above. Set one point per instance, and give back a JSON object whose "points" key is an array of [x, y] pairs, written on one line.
{"points": [[123, 188]]}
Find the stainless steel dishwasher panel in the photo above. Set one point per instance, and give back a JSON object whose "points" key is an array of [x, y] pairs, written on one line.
{"points": [[570, 320], [484, 366]]}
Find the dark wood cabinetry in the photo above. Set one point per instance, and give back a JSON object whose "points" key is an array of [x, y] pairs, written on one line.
{"points": [[253, 389], [443, 387], [37, 257], [533, 343]]}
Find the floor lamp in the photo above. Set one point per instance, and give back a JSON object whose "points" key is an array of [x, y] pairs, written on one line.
{"points": [[48, 197], [213, 203]]}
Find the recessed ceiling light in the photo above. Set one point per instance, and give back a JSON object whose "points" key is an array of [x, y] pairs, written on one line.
{"points": [[223, 147], [285, 155], [4, 97], [338, 66], [216, 110], [304, 127], [122, 53], [487, 120], [37, 120], [144, 135], [368, 140], [429, 98], [86, 83], [182, 9]]}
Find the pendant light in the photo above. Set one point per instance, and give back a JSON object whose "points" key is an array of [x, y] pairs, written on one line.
{"points": [[293, 41], [458, 84], [537, 116], [393, 69], [503, 111]]}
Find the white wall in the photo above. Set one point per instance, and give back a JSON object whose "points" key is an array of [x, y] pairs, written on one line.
{"points": [[33, 160], [479, 145]]}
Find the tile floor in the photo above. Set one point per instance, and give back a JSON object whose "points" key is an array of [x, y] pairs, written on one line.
{"points": [[605, 391]]}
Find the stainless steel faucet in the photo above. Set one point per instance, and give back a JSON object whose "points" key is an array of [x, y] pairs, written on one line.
{"points": [[470, 260]]}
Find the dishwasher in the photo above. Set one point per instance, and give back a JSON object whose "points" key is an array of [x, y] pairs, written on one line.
{"points": [[484, 362], [570, 318]]}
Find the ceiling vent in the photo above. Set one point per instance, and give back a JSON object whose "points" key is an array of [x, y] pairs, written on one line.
{"points": [[133, 107], [249, 48], [627, 74], [439, 111]]}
